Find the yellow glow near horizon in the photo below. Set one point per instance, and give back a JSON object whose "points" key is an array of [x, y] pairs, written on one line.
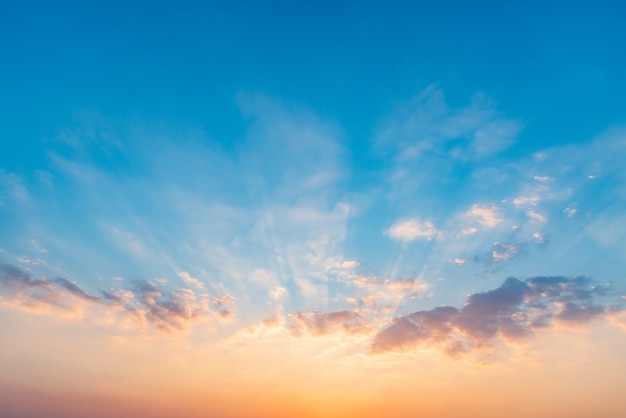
{"points": [[269, 373]]}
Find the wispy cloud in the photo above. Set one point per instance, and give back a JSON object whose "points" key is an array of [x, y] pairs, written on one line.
{"points": [[191, 281], [427, 124], [384, 295]]}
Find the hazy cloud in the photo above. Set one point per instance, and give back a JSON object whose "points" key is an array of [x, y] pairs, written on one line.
{"points": [[427, 124], [384, 293], [321, 323]]}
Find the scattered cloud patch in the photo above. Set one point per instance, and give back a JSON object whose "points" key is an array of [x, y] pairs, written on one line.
{"points": [[506, 250], [321, 323], [191, 281], [571, 210], [167, 310], [487, 216], [278, 293], [386, 294], [535, 217], [37, 246], [410, 230], [145, 302], [25, 260], [526, 201]]}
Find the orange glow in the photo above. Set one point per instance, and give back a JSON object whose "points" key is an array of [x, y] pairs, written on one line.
{"points": [[265, 372]]}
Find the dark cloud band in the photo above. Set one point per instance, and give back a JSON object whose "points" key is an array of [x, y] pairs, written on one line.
{"points": [[510, 312]]}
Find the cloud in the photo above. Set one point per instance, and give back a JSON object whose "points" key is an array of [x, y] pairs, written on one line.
{"points": [[513, 311], [384, 294], [526, 201], [144, 302], [487, 314], [539, 238], [75, 290], [167, 310], [571, 210], [17, 279], [321, 323], [502, 251], [19, 288], [278, 293], [488, 216], [191, 281], [535, 217], [410, 230], [406, 331]]}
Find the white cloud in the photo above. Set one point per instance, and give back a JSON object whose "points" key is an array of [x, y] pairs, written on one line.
{"points": [[539, 239], [526, 201], [381, 294], [278, 293], [571, 210], [505, 250], [348, 264], [488, 216], [535, 217], [410, 230], [190, 281]]}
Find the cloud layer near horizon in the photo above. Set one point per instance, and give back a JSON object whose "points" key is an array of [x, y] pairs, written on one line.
{"points": [[514, 311], [143, 302], [287, 226]]}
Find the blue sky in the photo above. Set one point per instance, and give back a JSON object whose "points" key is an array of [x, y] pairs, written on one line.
{"points": [[199, 99], [315, 166]]}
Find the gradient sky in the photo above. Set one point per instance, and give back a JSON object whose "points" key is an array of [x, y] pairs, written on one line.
{"points": [[311, 209]]}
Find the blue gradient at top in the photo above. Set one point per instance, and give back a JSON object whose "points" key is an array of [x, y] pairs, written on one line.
{"points": [[222, 80]]}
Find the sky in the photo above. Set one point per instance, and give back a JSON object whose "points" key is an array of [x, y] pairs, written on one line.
{"points": [[312, 209]]}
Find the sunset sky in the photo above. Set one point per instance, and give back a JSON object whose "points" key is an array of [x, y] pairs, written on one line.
{"points": [[282, 209]]}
